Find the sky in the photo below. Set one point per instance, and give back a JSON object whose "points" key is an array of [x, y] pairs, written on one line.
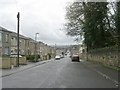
{"points": [[46, 17]]}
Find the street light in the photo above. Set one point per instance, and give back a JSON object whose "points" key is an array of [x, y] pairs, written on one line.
{"points": [[36, 46], [55, 49], [18, 18]]}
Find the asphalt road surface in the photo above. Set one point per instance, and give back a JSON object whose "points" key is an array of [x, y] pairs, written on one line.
{"points": [[57, 74]]}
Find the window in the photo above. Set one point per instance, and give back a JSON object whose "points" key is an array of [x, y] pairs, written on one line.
{"points": [[7, 51], [14, 41], [7, 38], [20, 42], [0, 39], [15, 51], [0, 51]]}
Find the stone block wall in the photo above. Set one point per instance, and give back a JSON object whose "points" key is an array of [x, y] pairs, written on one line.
{"points": [[6, 62], [22, 61], [105, 56]]}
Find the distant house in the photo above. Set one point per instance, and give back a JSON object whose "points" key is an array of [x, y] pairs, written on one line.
{"points": [[60, 51]]}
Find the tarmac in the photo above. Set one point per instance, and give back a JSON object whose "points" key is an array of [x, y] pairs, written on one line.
{"points": [[100, 69]]}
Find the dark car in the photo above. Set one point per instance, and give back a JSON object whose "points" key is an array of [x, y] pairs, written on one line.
{"points": [[75, 58]]}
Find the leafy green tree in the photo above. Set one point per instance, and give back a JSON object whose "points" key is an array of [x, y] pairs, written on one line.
{"points": [[95, 14], [118, 21], [91, 19]]}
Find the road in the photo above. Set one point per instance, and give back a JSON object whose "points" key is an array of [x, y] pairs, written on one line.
{"points": [[57, 74]]}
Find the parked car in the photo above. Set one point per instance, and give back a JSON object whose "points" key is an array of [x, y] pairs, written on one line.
{"points": [[75, 57], [57, 57], [61, 56], [70, 56], [65, 54]]}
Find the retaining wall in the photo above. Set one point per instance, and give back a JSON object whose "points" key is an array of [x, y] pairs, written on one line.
{"points": [[106, 56]]}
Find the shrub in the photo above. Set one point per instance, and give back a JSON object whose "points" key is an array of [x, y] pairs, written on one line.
{"points": [[31, 58], [28, 57]]}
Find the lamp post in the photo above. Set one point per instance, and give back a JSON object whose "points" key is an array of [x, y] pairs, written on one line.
{"points": [[55, 49], [18, 18], [36, 46]]}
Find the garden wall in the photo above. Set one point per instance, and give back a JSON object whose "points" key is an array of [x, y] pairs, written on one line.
{"points": [[107, 56]]}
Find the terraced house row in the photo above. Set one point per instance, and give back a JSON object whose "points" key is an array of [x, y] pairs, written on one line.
{"points": [[8, 49]]}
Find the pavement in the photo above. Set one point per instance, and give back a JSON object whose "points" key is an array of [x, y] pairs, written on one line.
{"points": [[106, 72], [7, 72]]}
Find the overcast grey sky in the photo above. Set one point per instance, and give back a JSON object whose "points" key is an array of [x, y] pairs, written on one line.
{"points": [[46, 17]]}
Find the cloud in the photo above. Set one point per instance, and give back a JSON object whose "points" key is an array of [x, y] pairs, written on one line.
{"points": [[43, 16]]}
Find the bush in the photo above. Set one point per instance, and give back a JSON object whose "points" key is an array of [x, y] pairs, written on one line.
{"points": [[38, 56], [31, 58], [28, 57]]}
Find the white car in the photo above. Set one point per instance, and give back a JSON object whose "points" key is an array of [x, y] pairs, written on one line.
{"points": [[57, 57], [62, 56]]}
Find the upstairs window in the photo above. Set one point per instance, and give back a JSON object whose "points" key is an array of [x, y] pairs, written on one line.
{"points": [[0, 39], [7, 38], [7, 51]]}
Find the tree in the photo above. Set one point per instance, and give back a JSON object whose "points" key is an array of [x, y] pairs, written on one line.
{"points": [[91, 20], [95, 14], [118, 21], [74, 16]]}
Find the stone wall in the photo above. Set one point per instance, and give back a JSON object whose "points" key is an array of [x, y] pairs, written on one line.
{"points": [[6, 62], [22, 61], [106, 56]]}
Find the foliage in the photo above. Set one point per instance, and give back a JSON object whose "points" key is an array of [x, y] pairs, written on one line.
{"points": [[95, 21], [31, 58], [117, 20], [74, 16], [103, 50], [38, 56]]}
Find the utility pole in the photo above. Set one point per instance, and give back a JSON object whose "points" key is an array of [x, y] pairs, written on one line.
{"points": [[36, 46], [18, 18]]}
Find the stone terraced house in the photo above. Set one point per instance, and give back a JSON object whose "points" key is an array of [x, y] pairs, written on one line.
{"points": [[8, 49]]}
